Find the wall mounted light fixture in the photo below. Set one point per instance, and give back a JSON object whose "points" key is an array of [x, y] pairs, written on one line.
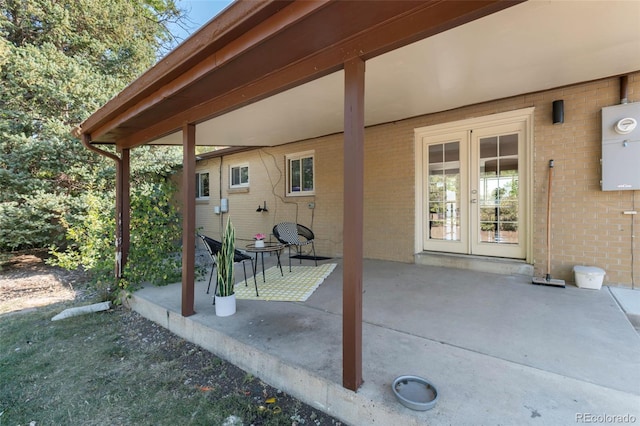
{"points": [[558, 112], [262, 208]]}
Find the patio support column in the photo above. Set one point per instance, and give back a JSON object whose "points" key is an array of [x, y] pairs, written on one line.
{"points": [[188, 217], [123, 211], [352, 224], [126, 204]]}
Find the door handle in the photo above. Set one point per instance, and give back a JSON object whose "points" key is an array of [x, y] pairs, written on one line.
{"points": [[474, 200]]}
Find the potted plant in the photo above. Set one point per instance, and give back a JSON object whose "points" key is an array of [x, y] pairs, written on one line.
{"points": [[259, 240], [226, 297]]}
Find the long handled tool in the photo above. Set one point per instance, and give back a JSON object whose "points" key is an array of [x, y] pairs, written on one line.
{"points": [[547, 280]]}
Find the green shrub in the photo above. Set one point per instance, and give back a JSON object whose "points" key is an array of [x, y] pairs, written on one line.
{"points": [[154, 255]]}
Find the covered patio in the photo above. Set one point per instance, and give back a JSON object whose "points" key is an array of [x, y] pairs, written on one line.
{"points": [[514, 350], [498, 349]]}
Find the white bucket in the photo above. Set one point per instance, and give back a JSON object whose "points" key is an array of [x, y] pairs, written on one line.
{"points": [[589, 277]]}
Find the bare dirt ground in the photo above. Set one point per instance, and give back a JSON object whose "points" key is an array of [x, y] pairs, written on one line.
{"points": [[27, 282]]}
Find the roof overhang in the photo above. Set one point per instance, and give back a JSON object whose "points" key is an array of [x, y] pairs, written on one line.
{"points": [[255, 50], [268, 73]]}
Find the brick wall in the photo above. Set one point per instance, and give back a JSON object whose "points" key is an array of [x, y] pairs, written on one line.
{"points": [[588, 225]]}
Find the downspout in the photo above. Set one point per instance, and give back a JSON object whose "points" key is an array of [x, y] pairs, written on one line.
{"points": [[86, 141], [624, 89]]}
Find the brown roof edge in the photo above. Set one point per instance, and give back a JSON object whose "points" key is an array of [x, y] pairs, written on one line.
{"points": [[158, 103], [231, 22], [225, 151]]}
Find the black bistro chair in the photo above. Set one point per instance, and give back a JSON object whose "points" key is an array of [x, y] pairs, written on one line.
{"points": [[296, 235], [213, 248]]}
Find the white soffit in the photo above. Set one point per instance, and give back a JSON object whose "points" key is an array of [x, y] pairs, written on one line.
{"points": [[534, 46], [313, 109]]}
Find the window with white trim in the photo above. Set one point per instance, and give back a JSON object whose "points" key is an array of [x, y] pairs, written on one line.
{"points": [[239, 176], [202, 185], [300, 174]]}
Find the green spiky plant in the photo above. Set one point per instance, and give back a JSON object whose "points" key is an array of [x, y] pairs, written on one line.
{"points": [[225, 276]]}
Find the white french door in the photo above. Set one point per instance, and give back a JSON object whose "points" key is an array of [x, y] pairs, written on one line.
{"points": [[474, 200], [496, 207], [446, 192]]}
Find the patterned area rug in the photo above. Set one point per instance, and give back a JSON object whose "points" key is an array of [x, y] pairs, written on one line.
{"points": [[295, 286]]}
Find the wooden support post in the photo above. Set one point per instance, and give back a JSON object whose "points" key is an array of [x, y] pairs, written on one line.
{"points": [[119, 206], [352, 223], [126, 205], [123, 210], [188, 218]]}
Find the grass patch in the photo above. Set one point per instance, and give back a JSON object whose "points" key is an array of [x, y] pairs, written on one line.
{"points": [[115, 367]]}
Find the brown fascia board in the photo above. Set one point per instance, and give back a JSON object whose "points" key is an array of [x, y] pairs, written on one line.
{"points": [[233, 21], [126, 119], [225, 151], [421, 19]]}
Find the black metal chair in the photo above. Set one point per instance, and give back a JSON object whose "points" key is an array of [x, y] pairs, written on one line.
{"points": [[213, 248], [296, 235]]}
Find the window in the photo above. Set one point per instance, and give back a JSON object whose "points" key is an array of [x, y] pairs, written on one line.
{"points": [[300, 176], [239, 176], [202, 185]]}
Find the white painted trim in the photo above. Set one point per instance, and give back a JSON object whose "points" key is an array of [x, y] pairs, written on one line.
{"points": [[525, 115], [418, 153], [241, 185], [206, 197], [299, 156], [477, 122]]}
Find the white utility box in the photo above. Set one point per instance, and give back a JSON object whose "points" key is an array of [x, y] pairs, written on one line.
{"points": [[589, 277]]}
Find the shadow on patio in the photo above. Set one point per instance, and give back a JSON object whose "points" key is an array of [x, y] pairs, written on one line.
{"points": [[499, 349]]}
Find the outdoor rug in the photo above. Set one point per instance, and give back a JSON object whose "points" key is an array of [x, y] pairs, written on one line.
{"points": [[295, 286]]}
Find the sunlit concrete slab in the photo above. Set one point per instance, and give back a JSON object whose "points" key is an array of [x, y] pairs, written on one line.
{"points": [[499, 349], [629, 301]]}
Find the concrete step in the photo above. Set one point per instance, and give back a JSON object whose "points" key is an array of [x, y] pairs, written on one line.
{"points": [[494, 265]]}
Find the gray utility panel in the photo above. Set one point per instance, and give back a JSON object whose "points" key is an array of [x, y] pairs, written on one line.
{"points": [[621, 147]]}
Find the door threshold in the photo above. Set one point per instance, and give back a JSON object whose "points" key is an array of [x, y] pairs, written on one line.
{"points": [[496, 265]]}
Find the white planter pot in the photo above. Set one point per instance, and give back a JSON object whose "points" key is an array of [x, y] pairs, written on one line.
{"points": [[226, 305], [259, 243]]}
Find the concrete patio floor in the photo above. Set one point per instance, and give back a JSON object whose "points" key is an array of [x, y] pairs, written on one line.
{"points": [[498, 349]]}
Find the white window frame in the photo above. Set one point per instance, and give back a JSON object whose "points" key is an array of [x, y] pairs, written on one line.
{"points": [[199, 186], [240, 167], [299, 156]]}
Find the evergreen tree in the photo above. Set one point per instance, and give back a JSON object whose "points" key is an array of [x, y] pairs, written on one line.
{"points": [[60, 60]]}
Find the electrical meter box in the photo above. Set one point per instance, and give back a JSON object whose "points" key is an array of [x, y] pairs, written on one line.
{"points": [[621, 147]]}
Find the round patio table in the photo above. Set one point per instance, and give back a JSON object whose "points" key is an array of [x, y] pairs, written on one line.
{"points": [[268, 248]]}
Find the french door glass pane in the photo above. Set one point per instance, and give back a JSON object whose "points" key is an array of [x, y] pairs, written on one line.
{"points": [[444, 192], [498, 189]]}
